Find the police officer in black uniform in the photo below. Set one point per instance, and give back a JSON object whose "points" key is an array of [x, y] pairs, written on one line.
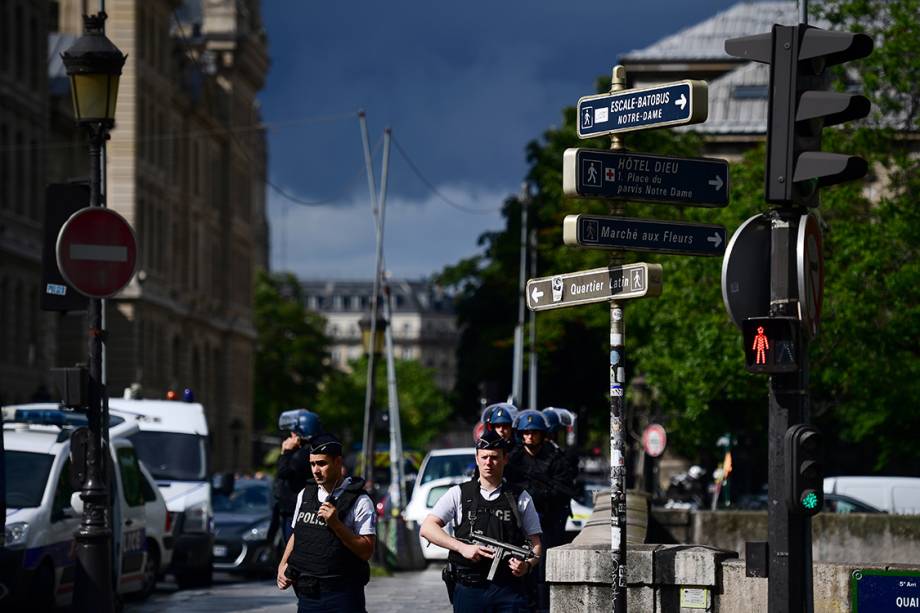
{"points": [[326, 558], [543, 470], [489, 505], [293, 466]]}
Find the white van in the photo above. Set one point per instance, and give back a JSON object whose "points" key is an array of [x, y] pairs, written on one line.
{"points": [[172, 442], [893, 494], [41, 517]]}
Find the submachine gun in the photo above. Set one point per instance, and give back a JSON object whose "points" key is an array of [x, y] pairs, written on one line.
{"points": [[502, 551]]}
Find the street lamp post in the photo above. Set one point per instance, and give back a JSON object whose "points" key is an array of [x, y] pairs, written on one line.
{"points": [[372, 349], [94, 66]]}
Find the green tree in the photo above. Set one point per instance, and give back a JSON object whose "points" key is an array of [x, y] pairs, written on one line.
{"points": [[423, 408], [292, 351]]}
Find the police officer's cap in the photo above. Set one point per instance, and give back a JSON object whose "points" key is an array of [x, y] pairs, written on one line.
{"points": [[491, 439], [326, 444]]}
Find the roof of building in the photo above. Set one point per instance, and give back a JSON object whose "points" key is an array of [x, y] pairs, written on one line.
{"points": [[706, 40], [408, 296], [738, 102]]}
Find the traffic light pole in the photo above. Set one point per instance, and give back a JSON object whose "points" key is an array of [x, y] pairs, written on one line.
{"points": [[93, 580], [789, 532]]}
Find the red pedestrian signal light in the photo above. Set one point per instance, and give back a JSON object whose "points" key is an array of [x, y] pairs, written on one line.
{"points": [[771, 344]]}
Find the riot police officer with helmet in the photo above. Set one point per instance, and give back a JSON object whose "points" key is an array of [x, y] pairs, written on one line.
{"points": [[293, 465], [500, 417], [334, 534], [542, 469], [490, 506]]}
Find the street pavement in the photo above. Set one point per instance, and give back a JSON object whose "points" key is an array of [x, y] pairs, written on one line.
{"points": [[408, 592]]}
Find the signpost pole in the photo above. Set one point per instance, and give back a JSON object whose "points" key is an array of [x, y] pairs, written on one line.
{"points": [[93, 584], [617, 406]]}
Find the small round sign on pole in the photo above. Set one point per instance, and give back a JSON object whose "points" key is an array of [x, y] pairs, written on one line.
{"points": [[97, 252], [810, 272], [654, 440]]}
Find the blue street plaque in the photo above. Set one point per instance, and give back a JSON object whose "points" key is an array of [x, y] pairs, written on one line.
{"points": [[884, 591], [671, 104], [628, 234], [618, 175]]}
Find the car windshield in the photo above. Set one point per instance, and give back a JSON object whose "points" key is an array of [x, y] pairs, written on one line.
{"points": [[26, 476], [455, 465], [247, 497], [435, 494], [171, 456]]}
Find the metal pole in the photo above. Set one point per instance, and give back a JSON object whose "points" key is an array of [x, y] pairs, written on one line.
{"points": [[517, 376], [789, 534], [397, 482], [803, 11], [617, 409], [369, 409], [93, 539], [532, 368]]}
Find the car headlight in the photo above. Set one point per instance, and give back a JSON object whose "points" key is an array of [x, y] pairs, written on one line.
{"points": [[197, 518], [258, 532], [16, 534]]}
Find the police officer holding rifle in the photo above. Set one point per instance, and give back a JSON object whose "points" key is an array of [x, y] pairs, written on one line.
{"points": [[326, 558], [506, 516]]}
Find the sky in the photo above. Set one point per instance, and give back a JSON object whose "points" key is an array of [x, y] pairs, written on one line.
{"points": [[464, 86]]}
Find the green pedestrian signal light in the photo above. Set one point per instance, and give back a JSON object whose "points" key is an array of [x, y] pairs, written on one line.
{"points": [[810, 501]]}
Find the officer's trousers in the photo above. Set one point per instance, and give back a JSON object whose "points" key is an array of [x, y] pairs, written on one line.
{"points": [[333, 601], [491, 598]]}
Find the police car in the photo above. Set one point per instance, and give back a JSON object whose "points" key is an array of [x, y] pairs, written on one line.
{"points": [[44, 510]]}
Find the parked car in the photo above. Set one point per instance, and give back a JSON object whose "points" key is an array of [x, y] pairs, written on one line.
{"points": [[241, 526], [160, 539], [833, 503], [583, 506], [423, 500], [44, 509], [441, 463], [892, 494]]}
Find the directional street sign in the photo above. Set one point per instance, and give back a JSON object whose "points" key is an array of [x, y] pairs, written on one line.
{"points": [[596, 285], [671, 104], [97, 252], [643, 235], [600, 173]]}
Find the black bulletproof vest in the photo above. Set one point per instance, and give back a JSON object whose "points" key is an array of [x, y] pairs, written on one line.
{"points": [[318, 552], [498, 519]]}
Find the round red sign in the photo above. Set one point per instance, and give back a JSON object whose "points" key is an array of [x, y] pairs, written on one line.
{"points": [[97, 252], [654, 440]]}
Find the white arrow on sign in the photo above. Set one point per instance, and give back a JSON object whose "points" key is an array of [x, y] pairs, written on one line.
{"points": [[715, 239], [536, 294], [717, 182], [681, 102]]}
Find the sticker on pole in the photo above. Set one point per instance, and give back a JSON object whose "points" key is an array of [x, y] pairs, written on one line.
{"points": [[97, 252], [654, 440]]}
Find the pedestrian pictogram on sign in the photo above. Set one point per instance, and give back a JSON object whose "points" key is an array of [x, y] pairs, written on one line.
{"points": [[761, 342], [97, 252]]}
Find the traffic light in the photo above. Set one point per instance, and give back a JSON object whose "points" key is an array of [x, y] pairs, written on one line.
{"points": [[799, 108], [771, 344], [804, 451]]}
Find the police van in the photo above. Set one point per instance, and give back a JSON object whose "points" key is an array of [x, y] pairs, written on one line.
{"points": [[171, 439], [44, 510]]}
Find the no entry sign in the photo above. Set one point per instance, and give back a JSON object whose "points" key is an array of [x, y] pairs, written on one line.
{"points": [[654, 440], [97, 252]]}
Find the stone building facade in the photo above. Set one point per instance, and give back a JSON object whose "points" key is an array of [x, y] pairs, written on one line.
{"points": [[423, 322], [26, 334], [187, 168]]}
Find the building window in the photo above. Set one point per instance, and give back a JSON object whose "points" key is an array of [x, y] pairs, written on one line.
{"points": [[4, 167], [34, 203], [37, 54], [19, 160], [18, 44]]}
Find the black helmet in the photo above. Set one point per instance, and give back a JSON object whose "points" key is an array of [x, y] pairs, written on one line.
{"points": [[491, 439]]}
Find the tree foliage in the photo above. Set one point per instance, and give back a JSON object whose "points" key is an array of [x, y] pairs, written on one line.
{"points": [[423, 408], [292, 355], [865, 366]]}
